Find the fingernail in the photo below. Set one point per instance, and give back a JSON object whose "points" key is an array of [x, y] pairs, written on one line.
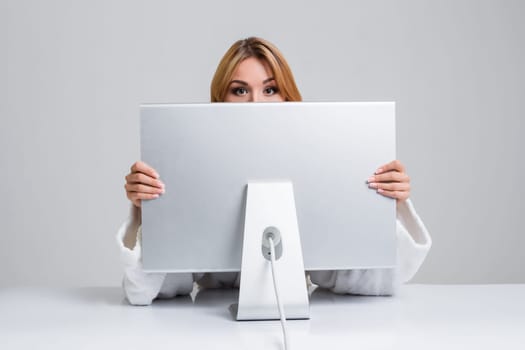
{"points": [[155, 196], [372, 185], [378, 171], [371, 179], [379, 190]]}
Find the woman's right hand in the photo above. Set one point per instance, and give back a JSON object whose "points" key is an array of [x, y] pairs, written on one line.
{"points": [[143, 183]]}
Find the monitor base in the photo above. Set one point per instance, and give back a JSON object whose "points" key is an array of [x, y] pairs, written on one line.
{"points": [[271, 206]]}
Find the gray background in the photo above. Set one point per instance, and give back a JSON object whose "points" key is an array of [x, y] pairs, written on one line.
{"points": [[73, 74]]}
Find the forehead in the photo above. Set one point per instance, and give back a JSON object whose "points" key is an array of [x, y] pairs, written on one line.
{"points": [[252, 68]]}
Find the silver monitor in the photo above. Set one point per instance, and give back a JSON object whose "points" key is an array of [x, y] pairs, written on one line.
{"points": [[207, 153]]}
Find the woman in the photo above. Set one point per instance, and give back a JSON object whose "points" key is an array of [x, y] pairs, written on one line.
{"points": [[253, 70]]}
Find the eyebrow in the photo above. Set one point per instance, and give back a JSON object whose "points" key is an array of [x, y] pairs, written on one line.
{"points": [[245, 83]]}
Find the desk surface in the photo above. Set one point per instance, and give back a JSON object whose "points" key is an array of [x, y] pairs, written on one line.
{"points": [[419, 317]]}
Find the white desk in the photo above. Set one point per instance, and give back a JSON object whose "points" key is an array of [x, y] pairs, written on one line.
{"points": [[420, 317]]}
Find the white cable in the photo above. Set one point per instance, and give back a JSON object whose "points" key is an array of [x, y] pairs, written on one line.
{"points": [[279, 304]]}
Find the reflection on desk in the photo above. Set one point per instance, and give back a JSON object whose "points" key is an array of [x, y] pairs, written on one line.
{"points": [[419, 317]]}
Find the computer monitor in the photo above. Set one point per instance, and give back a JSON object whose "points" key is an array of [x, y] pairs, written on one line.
{"points": [[206, 154]]}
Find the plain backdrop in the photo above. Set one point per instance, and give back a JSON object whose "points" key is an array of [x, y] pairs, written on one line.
{"points": [[74, 73]]}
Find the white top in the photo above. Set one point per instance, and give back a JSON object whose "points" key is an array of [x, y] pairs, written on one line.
{"points": [[413, 244]]}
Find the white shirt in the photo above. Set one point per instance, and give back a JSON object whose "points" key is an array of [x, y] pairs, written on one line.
{"points": [[141, 288]]}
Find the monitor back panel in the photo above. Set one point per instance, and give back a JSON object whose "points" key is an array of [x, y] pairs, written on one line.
{"points": [[207, 153]]}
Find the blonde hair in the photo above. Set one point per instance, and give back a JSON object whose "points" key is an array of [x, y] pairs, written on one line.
{"points": [[262, 50]]}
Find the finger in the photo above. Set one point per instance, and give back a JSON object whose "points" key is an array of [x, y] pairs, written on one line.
{"points": [[389, 177], [134, 196], [141, 167], [393, 186], [395, 165], [139, 188], [399, 195], [141, 178]]}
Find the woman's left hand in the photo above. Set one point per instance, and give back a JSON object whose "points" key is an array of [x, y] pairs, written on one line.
{"points": [[390, 180]]}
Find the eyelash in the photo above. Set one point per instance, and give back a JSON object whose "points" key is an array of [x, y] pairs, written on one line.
{"points": [[274, 88], [236, 91]]}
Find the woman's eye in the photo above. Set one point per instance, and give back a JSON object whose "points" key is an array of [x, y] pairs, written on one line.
{"points": [[271, 90], [239, 91]]}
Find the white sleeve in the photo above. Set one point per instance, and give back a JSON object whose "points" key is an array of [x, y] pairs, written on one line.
{"points": [[413, 244], [140, 287], [413, 241]]}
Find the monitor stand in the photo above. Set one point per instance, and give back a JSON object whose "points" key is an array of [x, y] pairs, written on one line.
{"points": [[270, 209]]}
